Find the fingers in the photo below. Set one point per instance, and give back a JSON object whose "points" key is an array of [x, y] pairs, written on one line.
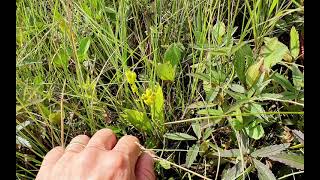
{"points": [[49, 161], [104, 139], [128, 146], [77, 144], [144, 168]]}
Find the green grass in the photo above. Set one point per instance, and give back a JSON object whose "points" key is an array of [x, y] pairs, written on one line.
{"points": [[81, 50]]}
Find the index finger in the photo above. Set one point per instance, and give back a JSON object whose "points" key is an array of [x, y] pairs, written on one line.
{"points": [[128, 145]]}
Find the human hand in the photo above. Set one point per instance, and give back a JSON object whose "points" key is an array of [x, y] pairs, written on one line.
{"points": [[98, 158]]}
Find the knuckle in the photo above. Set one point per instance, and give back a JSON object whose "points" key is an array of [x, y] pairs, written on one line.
{"points": [[121, 161]]}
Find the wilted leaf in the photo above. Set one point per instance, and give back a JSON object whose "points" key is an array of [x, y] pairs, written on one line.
{"points": [[228, 153], [219, 29], [173, 54], [254, 130], [23, 142], [294, 42], [243, 55], [273, 52], [166, 71], [179, 136], [192, 155], [270, 150], [264, 173], [197, 129], [299, 135], [253, 73], [292, 160], [22, 125]]}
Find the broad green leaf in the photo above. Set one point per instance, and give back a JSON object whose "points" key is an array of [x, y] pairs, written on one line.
{"points": [[55, 117], [264, 173], [228, 153], [270, 150], [158, 105], [298, 77], [61, 59], [243, 55], [284, 82], [299, 135], [165, 164], [254, 130], [138, 119], [236, 124], [173, 54], [83, 48], [270, 96], [237, 88], [253, 73], [290, 159], [166, 71], [273, 52], [192, 155], [294, 42], [233, 172], [179, 136], [197, 129]]}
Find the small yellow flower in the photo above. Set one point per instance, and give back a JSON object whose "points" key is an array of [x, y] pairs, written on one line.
{"points": [[131, 76], [148, 97], [134, 88]]}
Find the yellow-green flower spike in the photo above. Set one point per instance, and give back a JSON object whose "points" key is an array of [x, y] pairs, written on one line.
{"points": [[131, 76], [148, 97]]}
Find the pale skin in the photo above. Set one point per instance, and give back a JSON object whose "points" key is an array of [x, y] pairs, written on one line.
{"points": [[100, 157]]}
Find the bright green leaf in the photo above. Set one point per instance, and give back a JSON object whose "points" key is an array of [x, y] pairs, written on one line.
{"points": [[298, 77], [61, 59], [166, 71], [173, 54], [254, 130], [294, 42], [83, 48], [243, 55], [137, 119]]}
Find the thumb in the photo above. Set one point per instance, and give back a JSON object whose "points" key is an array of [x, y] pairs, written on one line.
{"points": [[144, 167]]}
